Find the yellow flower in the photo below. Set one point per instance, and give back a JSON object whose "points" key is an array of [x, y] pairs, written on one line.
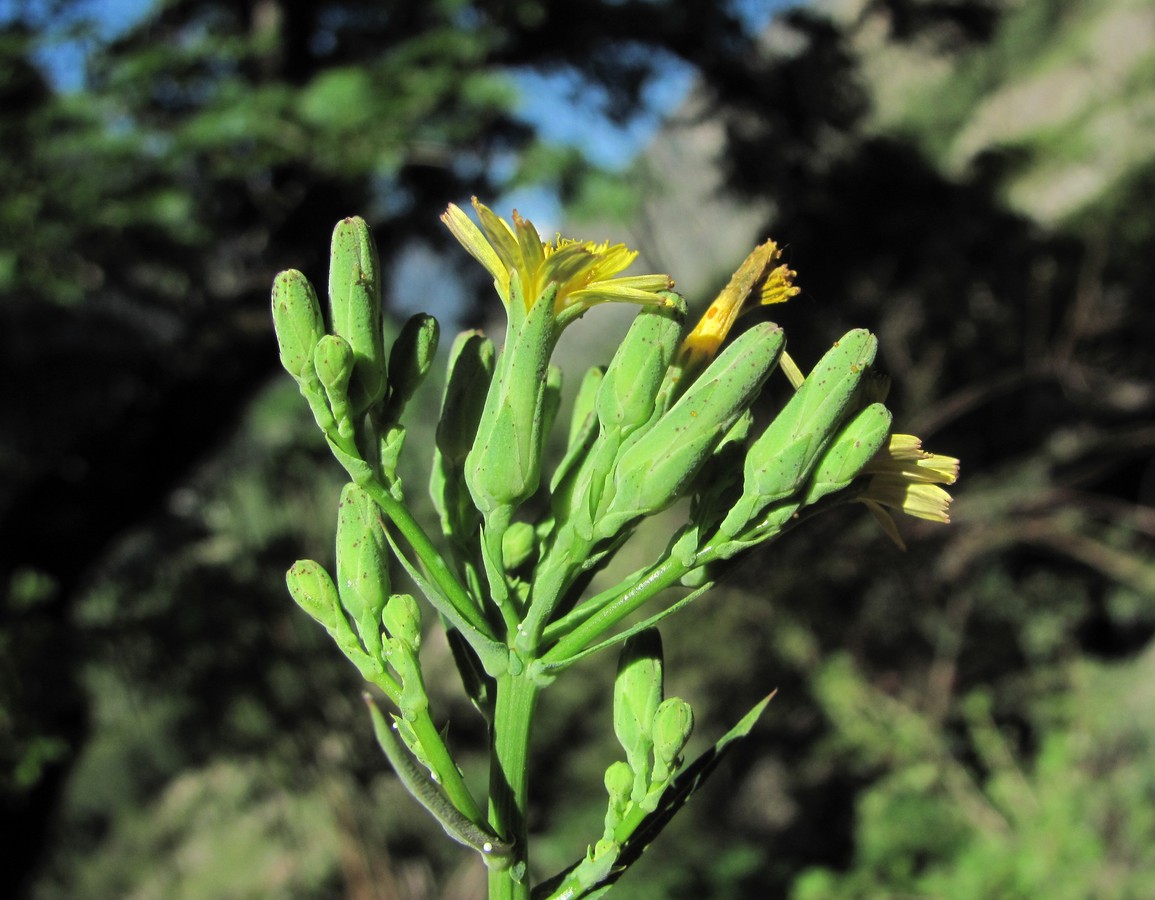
{"points": [[907, 478], [583, 271], [756, 283]]}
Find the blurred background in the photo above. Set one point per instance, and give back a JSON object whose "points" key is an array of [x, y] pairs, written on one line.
{"points": [[972, 179]]}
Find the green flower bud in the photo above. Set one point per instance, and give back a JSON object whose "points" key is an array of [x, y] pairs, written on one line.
{"points": [[673, 723], [637, 695], [297, 321], [402, 620], [619, 781], [314, 591], [333, 360], [471, 362], [504, 466], [362, 568], [517, 544], [656, 469], [780, 461], [410, 359], [355, 308], [625, 400], [855, 446]]}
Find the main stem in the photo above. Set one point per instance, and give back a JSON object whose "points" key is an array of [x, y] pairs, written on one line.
{"points": [[509, 781]]}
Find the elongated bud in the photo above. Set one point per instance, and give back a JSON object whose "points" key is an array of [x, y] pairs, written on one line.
{"points": [[411, 358], [626, 398], [297, 321], [471, 362], [362, 573], [314, 591], [355, 308], [658, 468], [850, 452], [780, 461], [571, 481], [504, 466], [673, 724], [402, 619], [619, 780], [637, 695]]}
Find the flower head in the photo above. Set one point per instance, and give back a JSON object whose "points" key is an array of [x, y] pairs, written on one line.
{"points": [[585, 273], [758, 282], [907, 478]]}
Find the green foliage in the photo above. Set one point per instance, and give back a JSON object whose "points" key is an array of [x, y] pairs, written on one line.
{"points": [[261, 839], [1074, 822]]}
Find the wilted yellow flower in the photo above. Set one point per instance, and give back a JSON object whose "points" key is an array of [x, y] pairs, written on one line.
{"points": [[758, 282], [907, 478], [583, 271]]}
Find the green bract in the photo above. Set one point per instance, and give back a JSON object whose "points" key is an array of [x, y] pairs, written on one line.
{"points": [[677, 415]]}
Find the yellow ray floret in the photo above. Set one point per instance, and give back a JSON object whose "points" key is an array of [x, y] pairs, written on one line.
{"points": [[586, 273], [906, 478], [758, 282]]}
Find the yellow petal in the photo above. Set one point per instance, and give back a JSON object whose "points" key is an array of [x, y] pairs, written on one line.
{"points": [[756, 283], [918, 499], [499, 233], [904, 456], [584, 272], [471, 238]]}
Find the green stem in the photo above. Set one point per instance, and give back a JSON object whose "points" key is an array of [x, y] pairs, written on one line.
{"points": [[509, 782], [447, 772], [433, 561], [660, 577], [492, 559], [553, 577], [559, 628]]}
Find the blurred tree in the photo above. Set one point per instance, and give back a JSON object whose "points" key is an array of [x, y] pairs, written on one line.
{"points": [[1017, 337]]}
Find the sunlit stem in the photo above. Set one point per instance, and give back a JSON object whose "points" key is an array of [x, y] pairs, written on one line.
{"points": [[661, 576], [509, 781], [433, 561], [445, 768]]}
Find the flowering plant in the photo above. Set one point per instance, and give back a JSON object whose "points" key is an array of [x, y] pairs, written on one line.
{"points": [[669, 418]]}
